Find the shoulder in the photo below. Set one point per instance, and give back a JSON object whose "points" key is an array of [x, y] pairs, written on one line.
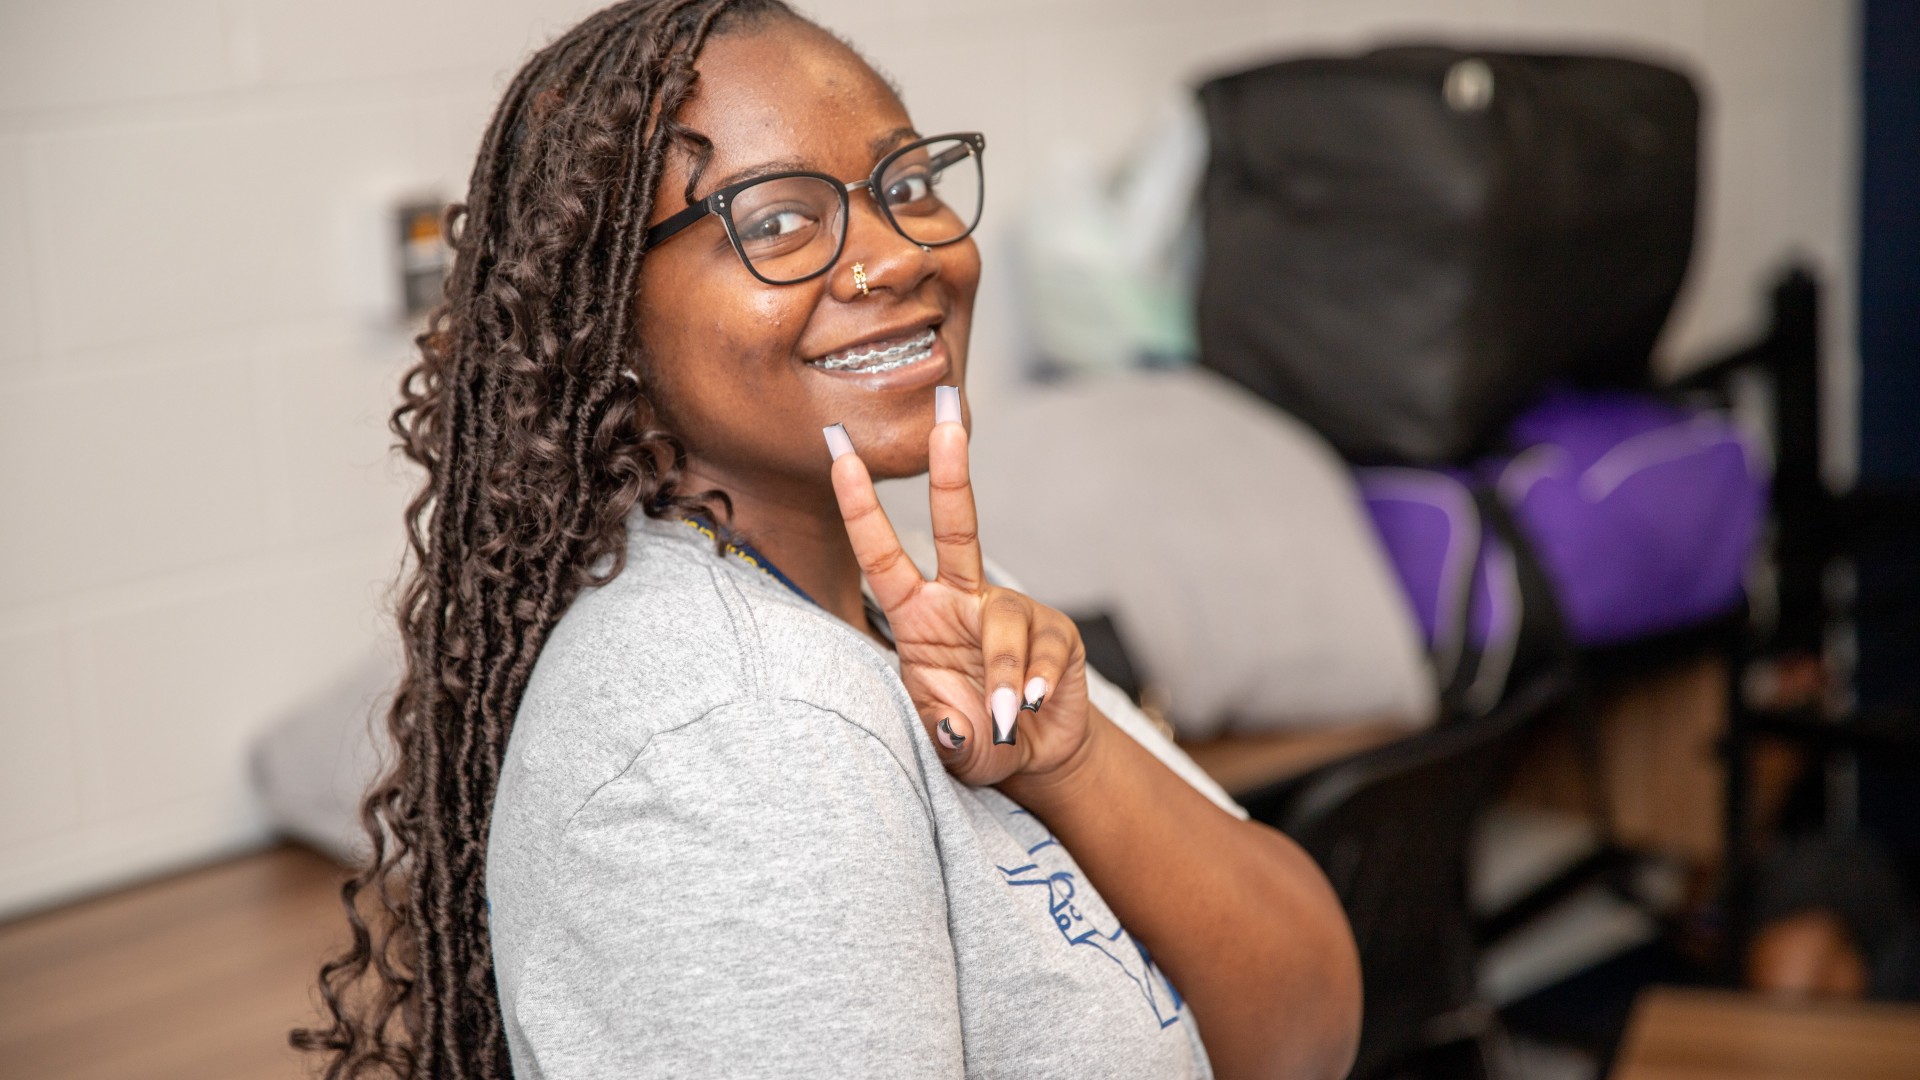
{"points": [[747, 765], [728, 825], [682, 631], [771, 858], [680, 641], [667, 639]]}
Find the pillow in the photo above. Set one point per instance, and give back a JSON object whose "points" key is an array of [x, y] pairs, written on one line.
{"points": [[314, 764]]}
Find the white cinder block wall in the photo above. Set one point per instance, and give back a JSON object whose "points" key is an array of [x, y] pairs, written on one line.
{"points": [[200, 520]]}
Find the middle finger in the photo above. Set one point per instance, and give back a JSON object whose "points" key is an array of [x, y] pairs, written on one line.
{"points": [[956, 526]]}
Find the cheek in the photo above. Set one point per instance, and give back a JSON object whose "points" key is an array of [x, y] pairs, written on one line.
{"points": [[960, 269], [708, 336], [719, 358], [745, 342], [773, 318], [960, 277]]}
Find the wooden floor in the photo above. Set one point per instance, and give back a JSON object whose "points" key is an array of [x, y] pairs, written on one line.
{"points": [[200, 976], [195, 977]]}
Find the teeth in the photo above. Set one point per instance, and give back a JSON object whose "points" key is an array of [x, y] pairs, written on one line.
{"points": [[886, 358]]}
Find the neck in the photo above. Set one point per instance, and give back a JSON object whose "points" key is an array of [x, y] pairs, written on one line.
{"points": [[798, 527]]}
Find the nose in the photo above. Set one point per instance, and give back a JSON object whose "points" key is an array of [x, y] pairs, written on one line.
{"points": [[891, 261]]}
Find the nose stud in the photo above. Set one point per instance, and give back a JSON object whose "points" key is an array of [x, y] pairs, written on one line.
{"points": [[860, 277]]}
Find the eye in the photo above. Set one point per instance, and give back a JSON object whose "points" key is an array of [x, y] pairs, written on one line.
{"points": [[909, 189], [775, 225]]}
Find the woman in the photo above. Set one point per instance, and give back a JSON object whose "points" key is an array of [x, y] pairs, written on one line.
{"points": [[672, 796]]}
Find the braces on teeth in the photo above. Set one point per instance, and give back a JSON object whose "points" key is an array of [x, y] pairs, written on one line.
{"points": [[886, 359]]}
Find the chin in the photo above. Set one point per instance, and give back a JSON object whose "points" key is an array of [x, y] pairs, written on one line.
{"points": [[900, 453]]}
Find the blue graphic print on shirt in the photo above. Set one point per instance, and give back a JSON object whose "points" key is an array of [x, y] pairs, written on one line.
{"points": [[1049, 868]]}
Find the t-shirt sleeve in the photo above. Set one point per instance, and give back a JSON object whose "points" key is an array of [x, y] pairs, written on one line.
{"points": [[758, 894]]}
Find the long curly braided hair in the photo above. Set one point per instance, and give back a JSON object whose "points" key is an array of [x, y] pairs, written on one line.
{"points": [[529, 412]]}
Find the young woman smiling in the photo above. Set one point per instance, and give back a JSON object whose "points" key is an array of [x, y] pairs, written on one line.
{"points": [[673, 794]]}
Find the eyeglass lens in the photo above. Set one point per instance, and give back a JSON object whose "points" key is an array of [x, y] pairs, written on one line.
{"points": [[790, 227]]}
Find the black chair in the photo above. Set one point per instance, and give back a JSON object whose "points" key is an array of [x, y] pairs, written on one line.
{"points": [[1814, 528], [1392, 829]]}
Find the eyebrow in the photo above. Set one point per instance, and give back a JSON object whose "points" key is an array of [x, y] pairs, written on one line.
{"points": [[891, 139], [764, 168], [879, 147]]}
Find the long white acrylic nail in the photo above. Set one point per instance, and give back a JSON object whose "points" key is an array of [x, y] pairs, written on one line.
{"points": [[946, 405], [1006, 708], [1035, 691], [837, 442]]}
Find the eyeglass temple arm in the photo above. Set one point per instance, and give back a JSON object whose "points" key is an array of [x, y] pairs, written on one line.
{"points": [[667, 229], [958, 153], [938, 164]]}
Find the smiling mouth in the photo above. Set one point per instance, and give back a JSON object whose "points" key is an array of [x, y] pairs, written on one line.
{"points": [[880, 356]]}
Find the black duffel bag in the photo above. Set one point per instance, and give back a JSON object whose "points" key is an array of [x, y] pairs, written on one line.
{"points": [[1403, 247]]}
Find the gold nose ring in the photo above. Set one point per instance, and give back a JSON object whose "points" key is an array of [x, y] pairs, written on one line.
{"points": [[860, 277]]}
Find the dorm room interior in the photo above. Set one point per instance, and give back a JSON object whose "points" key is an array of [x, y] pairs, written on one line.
{"points": [[1483, 436]]}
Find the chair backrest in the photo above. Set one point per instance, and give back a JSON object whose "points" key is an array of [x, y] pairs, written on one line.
{"points": [[1392, 828]]}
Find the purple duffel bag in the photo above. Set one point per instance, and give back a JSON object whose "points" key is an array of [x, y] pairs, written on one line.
{"points": [[1641, 516]]}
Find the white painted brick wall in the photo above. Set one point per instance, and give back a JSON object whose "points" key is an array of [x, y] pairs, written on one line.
{"points": [[200, 517]]}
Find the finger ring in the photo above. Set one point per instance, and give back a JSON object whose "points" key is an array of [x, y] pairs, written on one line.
{"points": [[860, 277]]}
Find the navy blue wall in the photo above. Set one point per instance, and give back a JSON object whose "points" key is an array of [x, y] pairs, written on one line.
{"points": [[1888, 619], [1890, 243]]}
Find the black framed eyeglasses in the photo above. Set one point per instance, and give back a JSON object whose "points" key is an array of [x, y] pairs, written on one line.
{"points": [[789, 227]]}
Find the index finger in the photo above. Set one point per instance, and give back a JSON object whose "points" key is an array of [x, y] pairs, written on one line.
{"points": [[889, 570], [956, 524]]}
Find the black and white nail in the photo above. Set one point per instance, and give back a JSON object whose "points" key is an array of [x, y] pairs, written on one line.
{"points": [[1006, 712], [1035, 693], [950, 738]]}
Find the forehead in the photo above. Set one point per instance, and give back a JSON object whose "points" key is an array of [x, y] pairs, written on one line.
{"points": [[789, 94]]}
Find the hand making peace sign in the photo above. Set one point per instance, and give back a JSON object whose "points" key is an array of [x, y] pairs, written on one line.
{"points": [[999, 680]]}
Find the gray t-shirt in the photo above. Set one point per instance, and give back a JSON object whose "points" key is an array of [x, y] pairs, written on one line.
{"points": [[722, 845]]}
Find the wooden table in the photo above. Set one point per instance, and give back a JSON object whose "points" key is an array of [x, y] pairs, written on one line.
{"points": [[1715, 1035], [1242, 763]]}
